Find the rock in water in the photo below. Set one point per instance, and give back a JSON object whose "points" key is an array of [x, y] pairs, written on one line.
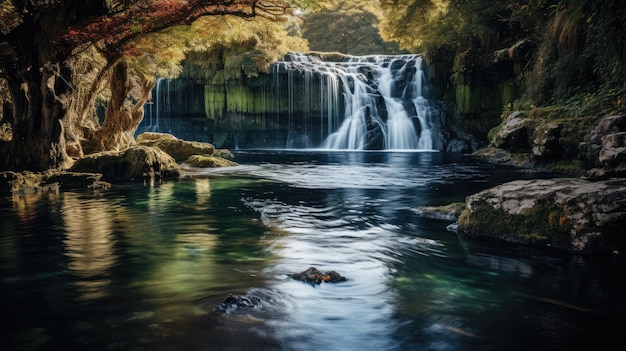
{"points": [[234, 302], [135, 163], [572, 214], [314, 276]]}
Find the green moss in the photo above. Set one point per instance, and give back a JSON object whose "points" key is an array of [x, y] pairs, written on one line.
{"points": [[205, 161], [569, 167], [540, 225], [493, 132], [449, 212]]}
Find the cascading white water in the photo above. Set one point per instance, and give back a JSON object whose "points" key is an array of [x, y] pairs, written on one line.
{"points": [[381, 95]]}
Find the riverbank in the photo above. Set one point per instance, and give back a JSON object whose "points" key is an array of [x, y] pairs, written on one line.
{"points": [[583, 211], [155, 157]]}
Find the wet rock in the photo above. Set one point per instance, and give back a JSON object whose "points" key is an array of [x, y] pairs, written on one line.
{"points": [[571, 214], [73, 180], [207, 161], [234, 303], [224, 153], [449, 212], [314, 276], [22, 183], [135, 163], [16, 183]]}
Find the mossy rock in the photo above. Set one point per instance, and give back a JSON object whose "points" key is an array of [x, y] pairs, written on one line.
{"points": [[449, 212], [148, 136], [135, 163], [224, 153], [179, 149], [571, 214], [206, 161]]}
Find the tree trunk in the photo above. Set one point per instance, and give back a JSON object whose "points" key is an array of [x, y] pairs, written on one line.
{"points": [[122, 115], [38, 109]]}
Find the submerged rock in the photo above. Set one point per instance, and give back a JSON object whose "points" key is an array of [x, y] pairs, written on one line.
{"points": [[314, 276], [234, 302], [571, 214]]}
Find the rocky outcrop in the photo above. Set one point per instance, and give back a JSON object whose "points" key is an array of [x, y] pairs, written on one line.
{"points": [[207, 161], [571, 214], [604, 148], [513, 133], [191, 153], [179, 149], [575, 146], [135, 163]]}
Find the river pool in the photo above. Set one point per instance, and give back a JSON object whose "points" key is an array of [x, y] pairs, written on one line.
{"points": [[141, 266]]}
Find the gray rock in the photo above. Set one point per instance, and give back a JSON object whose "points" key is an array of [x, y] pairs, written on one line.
{"points": [[604, 148], [572, 214], [514, 133]]}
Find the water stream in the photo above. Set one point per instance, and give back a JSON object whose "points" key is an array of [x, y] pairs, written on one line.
{"points": [[141, 267]]}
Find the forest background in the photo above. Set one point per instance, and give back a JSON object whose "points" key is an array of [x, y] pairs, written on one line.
{"points": [[62, 61]]}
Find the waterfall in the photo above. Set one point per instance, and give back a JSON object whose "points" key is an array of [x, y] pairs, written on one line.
{"points": [[364, 102]]}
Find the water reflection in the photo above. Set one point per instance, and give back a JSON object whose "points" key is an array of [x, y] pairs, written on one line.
{"points": [[140, 267], [332, 236], [89, 242]]}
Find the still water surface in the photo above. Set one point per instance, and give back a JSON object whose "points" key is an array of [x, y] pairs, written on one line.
{"points": [[140, 266]]}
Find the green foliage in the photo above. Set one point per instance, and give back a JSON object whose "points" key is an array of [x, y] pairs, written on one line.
{"points": [[230, 48], [354, 28], [581, 55], [574, 54]]}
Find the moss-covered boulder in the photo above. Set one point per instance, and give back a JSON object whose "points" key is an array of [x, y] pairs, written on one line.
{"points": [[207, 161], [179, 149], [571, 214], [135, 163]]}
